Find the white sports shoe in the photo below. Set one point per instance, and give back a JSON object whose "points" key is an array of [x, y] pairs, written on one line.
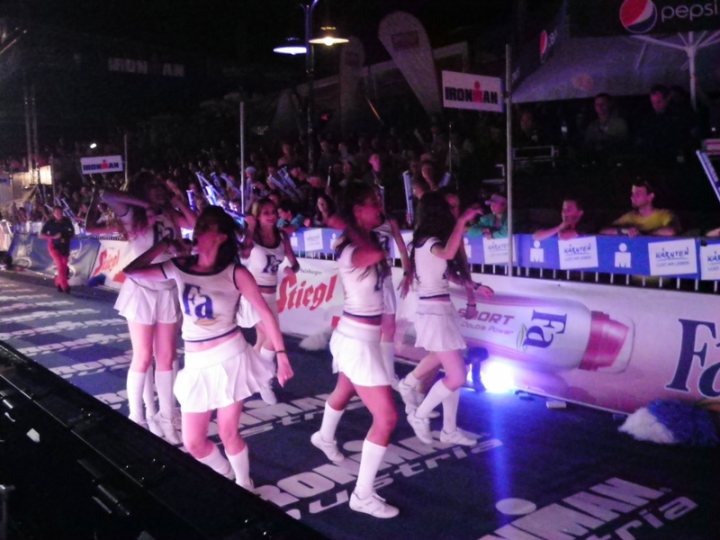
{"points": [[167, 429], [330, 449], [374, 505], [249, 486], [268, 396], [421, 427], [409, 396], [457, 437]]}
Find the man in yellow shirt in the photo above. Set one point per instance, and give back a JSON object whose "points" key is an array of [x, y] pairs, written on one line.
{"points": [[644, 219]]}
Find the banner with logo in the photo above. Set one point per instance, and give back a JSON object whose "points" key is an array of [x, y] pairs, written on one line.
{"points": [[608, 347], [405, 38], [112, 257], [309, 300], [31, 253], [536, 52], [594, 18], [613, 348], [101, 164], [474, 92]]}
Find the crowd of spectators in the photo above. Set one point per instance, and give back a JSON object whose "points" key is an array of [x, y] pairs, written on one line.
{"points": [[460, 160]]}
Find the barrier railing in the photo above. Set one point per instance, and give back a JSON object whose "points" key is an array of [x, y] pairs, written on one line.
{"points": [[616, 258]]}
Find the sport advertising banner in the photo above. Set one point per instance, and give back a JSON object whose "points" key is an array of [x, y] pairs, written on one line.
{"points": [[614, 348], [101, 164], [112, 257], [474, 92], [31, 253]]}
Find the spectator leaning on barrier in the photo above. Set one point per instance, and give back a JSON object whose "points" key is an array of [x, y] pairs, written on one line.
{"points": [[644, 219], [569, 226], [494, 224], [290, 220]]}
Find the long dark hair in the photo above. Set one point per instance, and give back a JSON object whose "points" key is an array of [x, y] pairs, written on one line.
{"points": [[435, 220], [228, 250], [255, 211], [138, 188], [357, 193]]}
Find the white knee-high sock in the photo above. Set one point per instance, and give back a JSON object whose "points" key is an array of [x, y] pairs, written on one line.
{"points": [[411, 381], [450, 410], [148, 393], [217, 462], [330, 421], [240, 464], [135, 385], [370, 461], [434, 397], [388, 353], [166, 399]]}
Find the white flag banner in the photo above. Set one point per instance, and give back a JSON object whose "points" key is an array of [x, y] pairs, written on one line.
{"points": [[352, 61], [406, 40], [101, 164], [474, 92]]}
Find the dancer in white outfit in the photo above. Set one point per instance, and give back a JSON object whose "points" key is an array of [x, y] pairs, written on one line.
{"points": [[148, 215], [355, 346], [436, 240], [389, 232], [265, 247], [221, 369]]}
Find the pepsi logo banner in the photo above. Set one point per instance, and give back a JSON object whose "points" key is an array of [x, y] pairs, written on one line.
{"points": [[475, 92], [638, 17]]}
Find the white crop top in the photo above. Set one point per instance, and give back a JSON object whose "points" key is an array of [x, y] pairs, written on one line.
{"points": [[208, 302], [140, 241], [431, 271], [363, 287], [263, 263]]}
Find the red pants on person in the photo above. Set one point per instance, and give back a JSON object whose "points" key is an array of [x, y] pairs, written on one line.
{"points": [[61, 264]]}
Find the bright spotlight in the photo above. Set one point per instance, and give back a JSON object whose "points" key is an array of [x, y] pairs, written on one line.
{"points": [[497, 377], [93, 146]]}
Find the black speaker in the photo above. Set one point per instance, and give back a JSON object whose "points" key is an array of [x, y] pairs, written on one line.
{"points": [[81, 470]]}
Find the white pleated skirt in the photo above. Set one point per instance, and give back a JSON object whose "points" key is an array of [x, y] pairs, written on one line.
{"points": [[355, 348], [389, 299], [247, 317], [437, 328], [220, 376], [146, 305]]}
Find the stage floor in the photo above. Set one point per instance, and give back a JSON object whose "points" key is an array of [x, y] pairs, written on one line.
{"points": [[535, 472]]}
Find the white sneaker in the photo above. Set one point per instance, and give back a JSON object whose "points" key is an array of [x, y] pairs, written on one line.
{"points": [[248, 486], [374, 505], [268, 396], [167, 429], [409, 396], [421, 427], [330, 449], [457, 437]]}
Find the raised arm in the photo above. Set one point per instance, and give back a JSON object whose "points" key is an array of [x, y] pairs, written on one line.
{"points": [[400, 243], [143, 266], [248, 288], [119, 201], [289, 254], [450, 248]]}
